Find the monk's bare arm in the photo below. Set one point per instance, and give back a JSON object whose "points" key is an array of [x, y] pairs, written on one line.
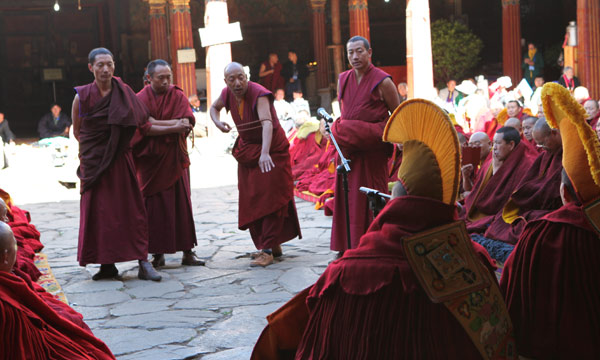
{"points": [[262, 72], [172, 122], [389, 94], [264, 114], [75, 117], [215, 115]]}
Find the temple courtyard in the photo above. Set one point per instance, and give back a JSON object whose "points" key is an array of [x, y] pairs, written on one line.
{"points": [[212, 312]]}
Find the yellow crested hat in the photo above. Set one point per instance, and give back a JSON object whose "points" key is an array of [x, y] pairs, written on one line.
{"points": [[581, 149], [431, 156]]}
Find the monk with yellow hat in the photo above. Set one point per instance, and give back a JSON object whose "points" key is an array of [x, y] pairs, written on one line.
{"points": [[416, 286], [550, 282]]}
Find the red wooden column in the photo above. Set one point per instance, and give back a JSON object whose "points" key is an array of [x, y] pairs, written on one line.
{"points": [[181, 38], [588, 46], [320, 42], [158, 29], [511, 40], [336, 32], [359, 18]]}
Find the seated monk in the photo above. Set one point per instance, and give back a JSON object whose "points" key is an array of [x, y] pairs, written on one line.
{"points": [[513, 109], [497, 179], [31, 328], [516, 123], [551, 279], [370, 304], [537, 194], [593, 112], [469, 173], [306, 145], [528, 124]]}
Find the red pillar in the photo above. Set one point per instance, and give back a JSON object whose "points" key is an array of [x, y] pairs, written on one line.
{"points": [[511, 40], [336, 32], [359, 18], [588, 45], [181, 38], [158, 29], [320, 41]]}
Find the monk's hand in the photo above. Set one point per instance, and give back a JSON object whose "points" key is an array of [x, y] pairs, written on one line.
{"points": [[467, 170], [265, 163], [223, 126], [186, 122]]}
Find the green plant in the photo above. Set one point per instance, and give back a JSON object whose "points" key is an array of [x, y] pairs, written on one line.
{"points": [[455, 50]]}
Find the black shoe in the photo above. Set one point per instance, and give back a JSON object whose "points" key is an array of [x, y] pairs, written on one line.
{"points": [[190, 259], [158, 260], [147, 272], [107, 271]]}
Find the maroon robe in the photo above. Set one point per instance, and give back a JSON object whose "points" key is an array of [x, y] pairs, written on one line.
{"points": [[594, 121], [536, 195], [266, 200], [274, 80], [113, 225], [370, 305], [33, 329], [305, 153], [162, 164], [550, 284], [487, 198], [359, 132]]}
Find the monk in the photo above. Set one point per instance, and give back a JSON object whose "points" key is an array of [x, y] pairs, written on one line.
{"points": [[537, 194], [469, 173], [550, 280], [370, 304], [532, 148], [31, 327], [266, 199], [367, 95], [593, 112], [306, 144], [162, 165], [113, 225], [497, 179], [528, 124], [270, 73]]}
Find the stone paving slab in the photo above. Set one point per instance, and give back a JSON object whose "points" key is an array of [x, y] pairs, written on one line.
{"points": [[212, 312]]}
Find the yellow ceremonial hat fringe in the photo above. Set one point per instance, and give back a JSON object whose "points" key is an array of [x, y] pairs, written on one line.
{"points": [[431, 159]]}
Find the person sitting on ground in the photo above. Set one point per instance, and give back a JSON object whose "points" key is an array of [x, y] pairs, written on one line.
{"points": [[449, 94], [469, 173], [285, 111], [515, 123], [306, 146], [55, 123], [32, 328], [550, 280], [593, 112], [527, 125], [299, 102]]}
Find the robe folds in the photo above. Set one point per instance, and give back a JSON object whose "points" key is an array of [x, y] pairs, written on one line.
{"points": [[33, 329], [266, 200], [113, 225], [491, 192], [536, 195], [550, 284], [358, 133], [162, 165], [305, 151], [320, 179], [370, 305]]}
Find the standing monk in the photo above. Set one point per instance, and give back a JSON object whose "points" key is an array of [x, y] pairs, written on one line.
{"points": [[113, 225], [366, 96], [266, 203], [162, 164]]}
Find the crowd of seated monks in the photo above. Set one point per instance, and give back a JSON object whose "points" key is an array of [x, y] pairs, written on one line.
{"points": [[35, 324]]}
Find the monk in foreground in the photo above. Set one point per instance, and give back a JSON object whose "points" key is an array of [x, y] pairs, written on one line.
{"points": [[266, 197], [392, 297], [113, 225], [31, 328], [550, 282]]}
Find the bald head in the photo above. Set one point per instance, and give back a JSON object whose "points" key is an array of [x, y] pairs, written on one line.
{"points": [[483, 140], [3, 211], [8, 248], [546, 137], [528, 124], [233, 66], [514, 123], [542, 126], [236, 80]]}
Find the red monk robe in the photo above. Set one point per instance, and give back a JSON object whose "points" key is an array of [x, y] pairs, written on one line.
{"points": [[370, 305], [550, 284], [358, 133], [274, 80], [491, 192], [536, 195], [33, 329], [113, 225], [306, 148], [498, 122], [266, 200], [162, 164], [320, 180]]}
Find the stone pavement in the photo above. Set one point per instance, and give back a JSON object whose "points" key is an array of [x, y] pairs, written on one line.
{"points": [[213, 312]]}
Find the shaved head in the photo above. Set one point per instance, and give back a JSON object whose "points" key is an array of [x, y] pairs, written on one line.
{"points": [[3, 211], [542, 126], [483, 140], [546, 137], [233, 66], [514, 123], [8, 248], [236, 80], [528, 124]]}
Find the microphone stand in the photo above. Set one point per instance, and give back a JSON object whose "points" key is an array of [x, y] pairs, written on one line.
{"points": [[343, 169]]}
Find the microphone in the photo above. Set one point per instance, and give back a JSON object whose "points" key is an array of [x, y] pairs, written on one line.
{"points": [[373, 192], [322, 114]]}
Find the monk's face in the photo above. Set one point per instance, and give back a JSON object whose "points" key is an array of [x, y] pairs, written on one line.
{"points": [[103, 67], [484, 143], [528, 129], [160, 80], [3, 213], [591, 108], [236, 81], [8, 255], [549, 141], [502, 149], [513, 109], [358, 56]]}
